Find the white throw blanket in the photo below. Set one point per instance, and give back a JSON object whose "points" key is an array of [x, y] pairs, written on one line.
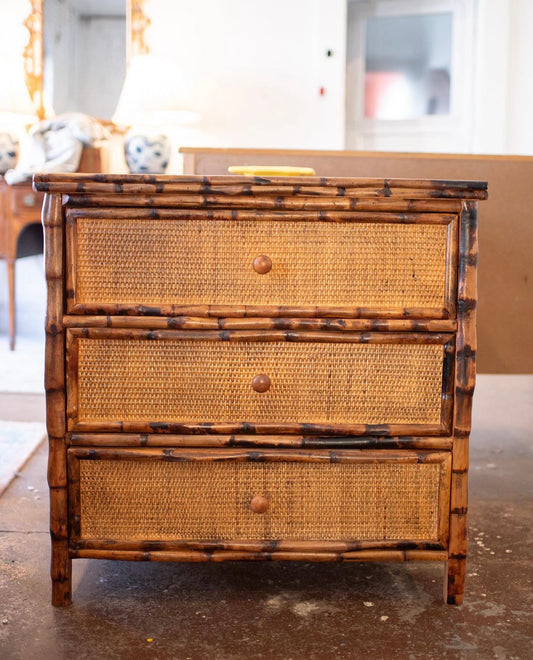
{"points": [[55, 145]]}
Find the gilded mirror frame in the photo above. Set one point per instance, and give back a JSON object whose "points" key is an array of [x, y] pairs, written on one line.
{"points": [[33, 54]]}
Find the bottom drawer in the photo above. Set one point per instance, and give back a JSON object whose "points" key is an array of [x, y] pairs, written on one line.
{"points": [[223, 495]]}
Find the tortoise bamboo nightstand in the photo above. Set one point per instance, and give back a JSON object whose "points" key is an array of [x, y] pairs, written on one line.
{"points": [[259, 368]]}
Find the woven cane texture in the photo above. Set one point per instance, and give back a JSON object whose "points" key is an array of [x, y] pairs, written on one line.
{"points": [[211, 501], [311, 382], [210, 262]]}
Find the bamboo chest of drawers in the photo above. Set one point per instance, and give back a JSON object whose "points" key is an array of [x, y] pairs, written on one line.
{"points": [[244, 368]]}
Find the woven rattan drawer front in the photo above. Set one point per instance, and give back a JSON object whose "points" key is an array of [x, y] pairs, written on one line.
{"points": [[180, 495], [358, 383], [342, 268]]}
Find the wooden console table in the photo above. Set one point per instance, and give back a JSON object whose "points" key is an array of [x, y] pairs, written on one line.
{"points": [[21, 206]]}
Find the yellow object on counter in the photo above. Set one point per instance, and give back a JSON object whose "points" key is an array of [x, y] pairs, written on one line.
{"points": [[271, 170]]}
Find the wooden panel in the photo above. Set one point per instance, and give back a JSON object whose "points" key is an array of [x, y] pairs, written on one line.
{"points": [[505, 229], [366, 382], [180, 495]]}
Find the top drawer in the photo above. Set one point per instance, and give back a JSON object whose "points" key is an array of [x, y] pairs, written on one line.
{"points": [[200, 263]]}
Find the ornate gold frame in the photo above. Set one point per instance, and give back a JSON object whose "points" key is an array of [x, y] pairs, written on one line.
{"points": [[33, 55], [136, 23]]}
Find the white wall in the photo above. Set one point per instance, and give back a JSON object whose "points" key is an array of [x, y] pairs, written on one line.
{"points": [[520, 79], [503, 111], [254, 69], [13, 34], [490, 109]]}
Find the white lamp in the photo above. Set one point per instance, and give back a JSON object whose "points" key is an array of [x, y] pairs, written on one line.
{"points": [[151, 99], [16, 110]]}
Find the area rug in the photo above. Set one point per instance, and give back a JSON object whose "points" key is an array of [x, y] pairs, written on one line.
{"points": [[18, 441]]}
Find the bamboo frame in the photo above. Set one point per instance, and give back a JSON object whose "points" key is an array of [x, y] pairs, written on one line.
{"points": [[147, 184], [215, 207], [61, 567], [262, 323], [252, 311], [236, 555], [465, 376], [256, 546], [228, 198], [163, 212], [250, 441], [75, 454]]}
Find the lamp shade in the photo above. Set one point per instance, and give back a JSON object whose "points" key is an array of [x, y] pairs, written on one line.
{"points": [[16, 106], [152, 94]]}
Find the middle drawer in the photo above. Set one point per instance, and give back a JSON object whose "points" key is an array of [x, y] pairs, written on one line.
{"points": [[247, 381]]}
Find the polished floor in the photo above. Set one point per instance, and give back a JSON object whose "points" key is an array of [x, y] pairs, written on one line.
{"points": [[287, 610]]}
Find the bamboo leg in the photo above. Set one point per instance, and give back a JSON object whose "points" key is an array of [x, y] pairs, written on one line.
{"points": [[61, 566], [61, 563], [11, 293], [61, 574], [465, 377], [454, 581]]}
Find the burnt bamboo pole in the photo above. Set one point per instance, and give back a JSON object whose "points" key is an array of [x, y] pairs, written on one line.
{"points": [[465, 375], [250, 441], [295, 191], [235, 555], [61, 562], [257, 546], [145, 184], [262, 336], [265, 202], [161, 206], [258, 323], [243, 311], [160, 212], [452, 257], [259, 428], [207, 454]]}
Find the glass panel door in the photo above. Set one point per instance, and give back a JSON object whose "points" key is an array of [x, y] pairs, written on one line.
{"points": [[407, 66]]}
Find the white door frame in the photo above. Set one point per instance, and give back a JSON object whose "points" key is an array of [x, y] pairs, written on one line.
{"points": [[431, 133]]}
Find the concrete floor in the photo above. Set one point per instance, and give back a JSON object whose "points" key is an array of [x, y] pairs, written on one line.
{"points": [[287, 610]]}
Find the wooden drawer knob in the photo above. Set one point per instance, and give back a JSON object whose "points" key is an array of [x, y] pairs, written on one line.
{"points": [[259, 504], [262, 264], [261, 383]]}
